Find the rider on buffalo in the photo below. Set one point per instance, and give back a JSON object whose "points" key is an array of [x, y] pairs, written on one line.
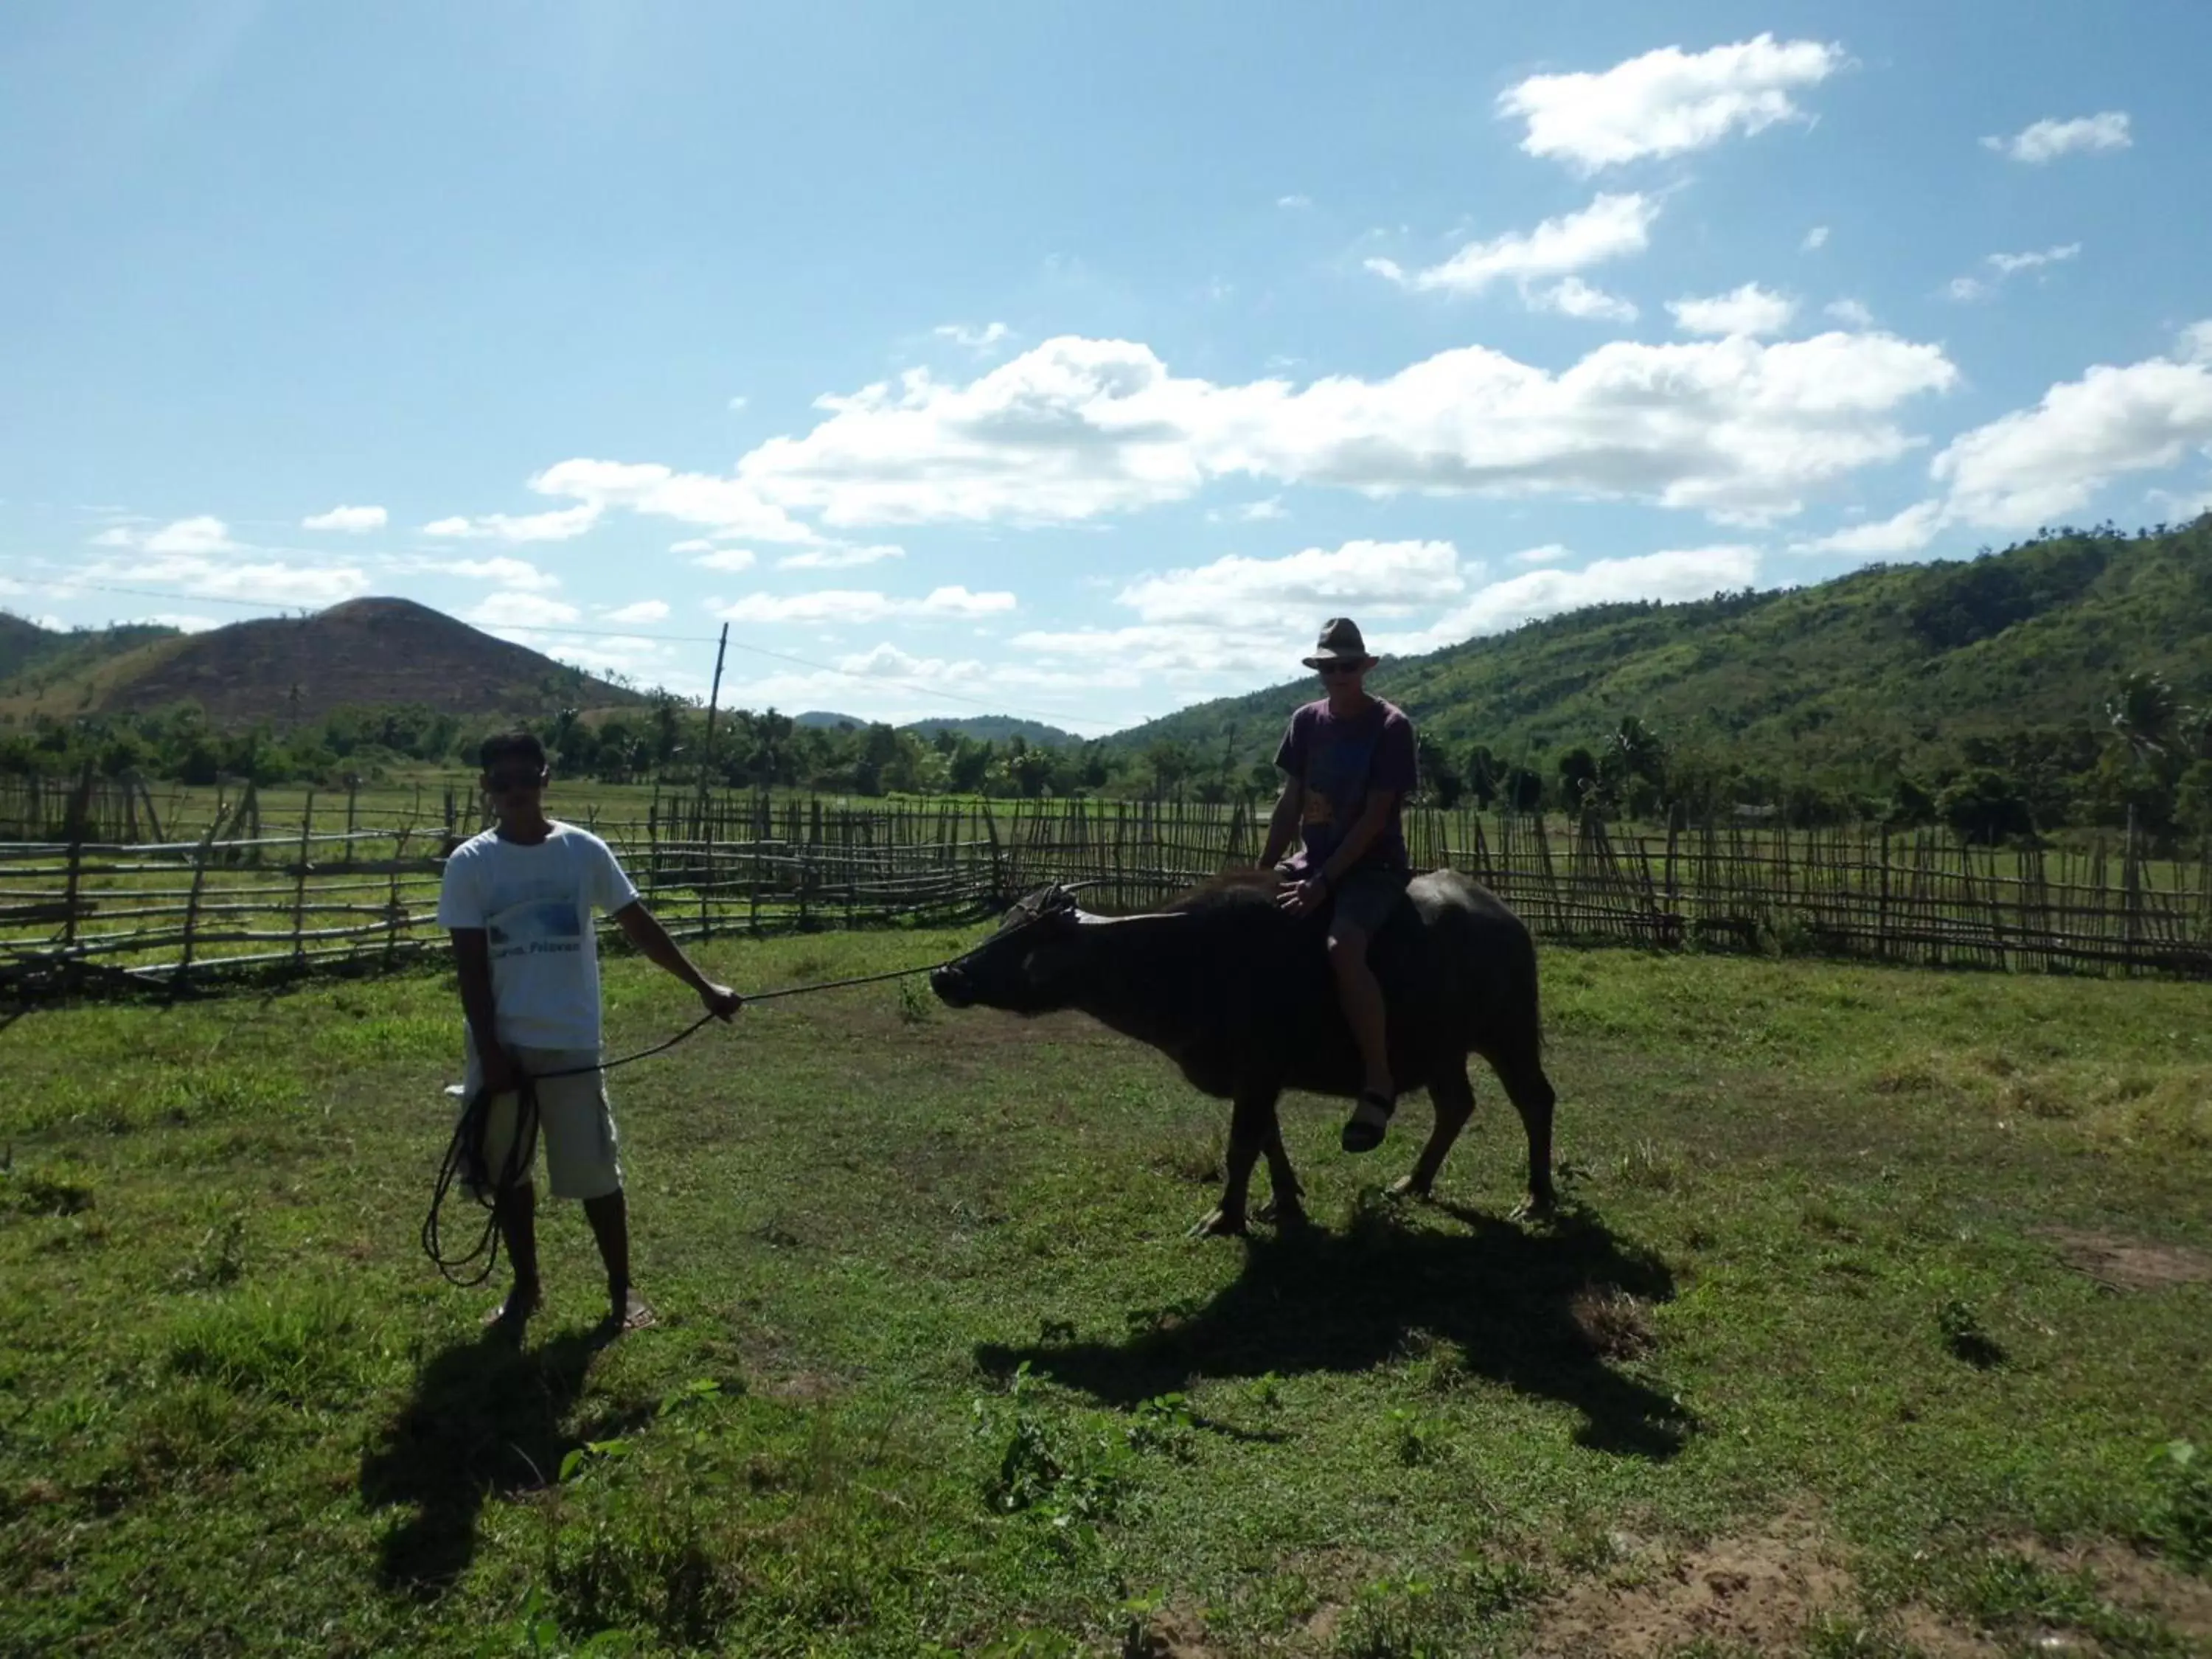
{"points": [[1349, 763]]}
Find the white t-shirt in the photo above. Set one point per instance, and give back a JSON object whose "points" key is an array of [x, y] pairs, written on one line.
{"points": [[535, 903]]}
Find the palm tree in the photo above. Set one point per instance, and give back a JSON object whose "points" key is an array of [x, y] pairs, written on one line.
{"points": [[1635, 751], [2144, 713]]}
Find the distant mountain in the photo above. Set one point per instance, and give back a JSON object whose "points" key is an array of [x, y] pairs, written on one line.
{"points": [[982, 728], [1889, 666], [996, 728], [362, 652]]}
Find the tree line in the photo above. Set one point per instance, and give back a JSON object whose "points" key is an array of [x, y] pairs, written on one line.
{"points": [[2148, 762]]}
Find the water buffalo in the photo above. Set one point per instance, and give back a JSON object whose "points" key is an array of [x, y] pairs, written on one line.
{"points": [[1238, 992]]}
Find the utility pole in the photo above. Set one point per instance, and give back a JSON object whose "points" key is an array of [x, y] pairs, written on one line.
{"points": [[714, 700]]}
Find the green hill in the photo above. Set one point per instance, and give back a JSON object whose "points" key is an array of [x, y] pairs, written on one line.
{"points": [[29, 651], [1889, 668], [362, 654]]}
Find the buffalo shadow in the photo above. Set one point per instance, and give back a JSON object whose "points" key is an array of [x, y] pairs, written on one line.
{"points": [[1503, 1298], [485, 1419]]}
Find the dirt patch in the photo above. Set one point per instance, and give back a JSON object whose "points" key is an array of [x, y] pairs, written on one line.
{"points": [[2126, 1264], [1933, 1637], [2140, 1584], [1171, 1636], [1760, 1592]]}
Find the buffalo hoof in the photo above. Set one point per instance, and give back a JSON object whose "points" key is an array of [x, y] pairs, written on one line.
{"points": [[1284, 1213], [1218, 1223], [1536, 1210], [1406, 1186]]}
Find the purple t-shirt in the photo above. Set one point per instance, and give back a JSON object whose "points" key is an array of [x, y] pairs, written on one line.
{"points": [[1340, 761]]}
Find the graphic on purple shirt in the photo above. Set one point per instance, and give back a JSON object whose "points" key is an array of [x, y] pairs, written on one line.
{"points": [[1341, 759]]}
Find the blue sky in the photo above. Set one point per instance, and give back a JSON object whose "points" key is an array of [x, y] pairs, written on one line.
{"points": [[1077, 362]]}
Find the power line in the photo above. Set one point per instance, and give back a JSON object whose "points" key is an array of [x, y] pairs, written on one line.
{"points": [[920, 686]]}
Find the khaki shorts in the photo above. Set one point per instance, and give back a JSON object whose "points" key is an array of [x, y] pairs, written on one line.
{"points": [[1367, 898], [575, 1127]]}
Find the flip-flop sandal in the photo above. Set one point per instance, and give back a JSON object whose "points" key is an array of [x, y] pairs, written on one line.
{"points": [[1370, 1120]]}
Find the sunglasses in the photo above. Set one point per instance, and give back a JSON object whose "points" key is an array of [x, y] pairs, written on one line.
{"points": [[1342, 666], [499, 783]]}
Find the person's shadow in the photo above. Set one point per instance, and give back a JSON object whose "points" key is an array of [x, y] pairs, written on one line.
{"points": [[1542, 1309], [486, 1417]]}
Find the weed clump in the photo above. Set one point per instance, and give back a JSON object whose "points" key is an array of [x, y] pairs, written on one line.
{"points": [[292, 1347]]}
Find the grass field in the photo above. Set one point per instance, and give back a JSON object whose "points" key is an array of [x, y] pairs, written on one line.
{"points": [[1877, 1325]]}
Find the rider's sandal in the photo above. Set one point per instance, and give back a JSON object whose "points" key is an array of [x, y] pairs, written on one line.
{"points": [[1370, 1118]]}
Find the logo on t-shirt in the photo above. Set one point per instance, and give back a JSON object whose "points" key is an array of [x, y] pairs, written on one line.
{"points": [[537, 927]]}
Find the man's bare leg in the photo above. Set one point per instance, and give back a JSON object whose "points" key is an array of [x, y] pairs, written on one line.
{"points": [[515, 1210], [610, 1219], [1361, 995]]}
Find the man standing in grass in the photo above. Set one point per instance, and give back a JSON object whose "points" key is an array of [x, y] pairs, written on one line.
{"points": [[517, 900], [1349, 762]]}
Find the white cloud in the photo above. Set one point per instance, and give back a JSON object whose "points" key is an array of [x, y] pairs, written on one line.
{"points": [[564, 525], [721, 558], [727, 506], [275, 582], [2032, 467], [2048, 140], [2007, 263], [840, 558], [1907, 531], [1610, 227], [695, 544], [1676, 575], [1550, 553], [739, 403], [1750, 309], [353, 519], [1815, 240], [1294, 202], [187, 537], [887, 661], [1573, 297], [641, 610], [1077, 427], [512, 608], [1665, 102], [1262, 511], [1851, 314], [516, 574], [975, 339], [1376, 578], [834, 607], [2195, 345], [185, 622]]}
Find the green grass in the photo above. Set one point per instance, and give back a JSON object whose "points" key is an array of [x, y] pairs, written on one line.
{"points": [[941, 1374]]}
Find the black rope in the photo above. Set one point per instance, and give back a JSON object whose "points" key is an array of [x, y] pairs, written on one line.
{"points": [[463, 1162]]}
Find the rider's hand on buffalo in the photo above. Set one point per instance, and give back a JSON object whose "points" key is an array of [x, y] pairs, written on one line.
{"points": [[1298, 897]]}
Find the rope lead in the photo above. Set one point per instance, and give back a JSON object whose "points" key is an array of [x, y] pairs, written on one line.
{"points": [[463, 1163]]}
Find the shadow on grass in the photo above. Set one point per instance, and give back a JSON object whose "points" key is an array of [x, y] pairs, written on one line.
{"points": [[1500, 1299], [486, 1418]]}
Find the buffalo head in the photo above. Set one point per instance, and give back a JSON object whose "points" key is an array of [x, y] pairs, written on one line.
{"points": [[1031, 965]]}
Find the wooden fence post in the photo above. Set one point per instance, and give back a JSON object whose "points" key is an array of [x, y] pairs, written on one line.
{"points": [[300, 874], [80, 804], [182, 975]]}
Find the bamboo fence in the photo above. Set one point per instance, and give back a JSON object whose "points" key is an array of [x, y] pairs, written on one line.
{"points": [[86, 909]]}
